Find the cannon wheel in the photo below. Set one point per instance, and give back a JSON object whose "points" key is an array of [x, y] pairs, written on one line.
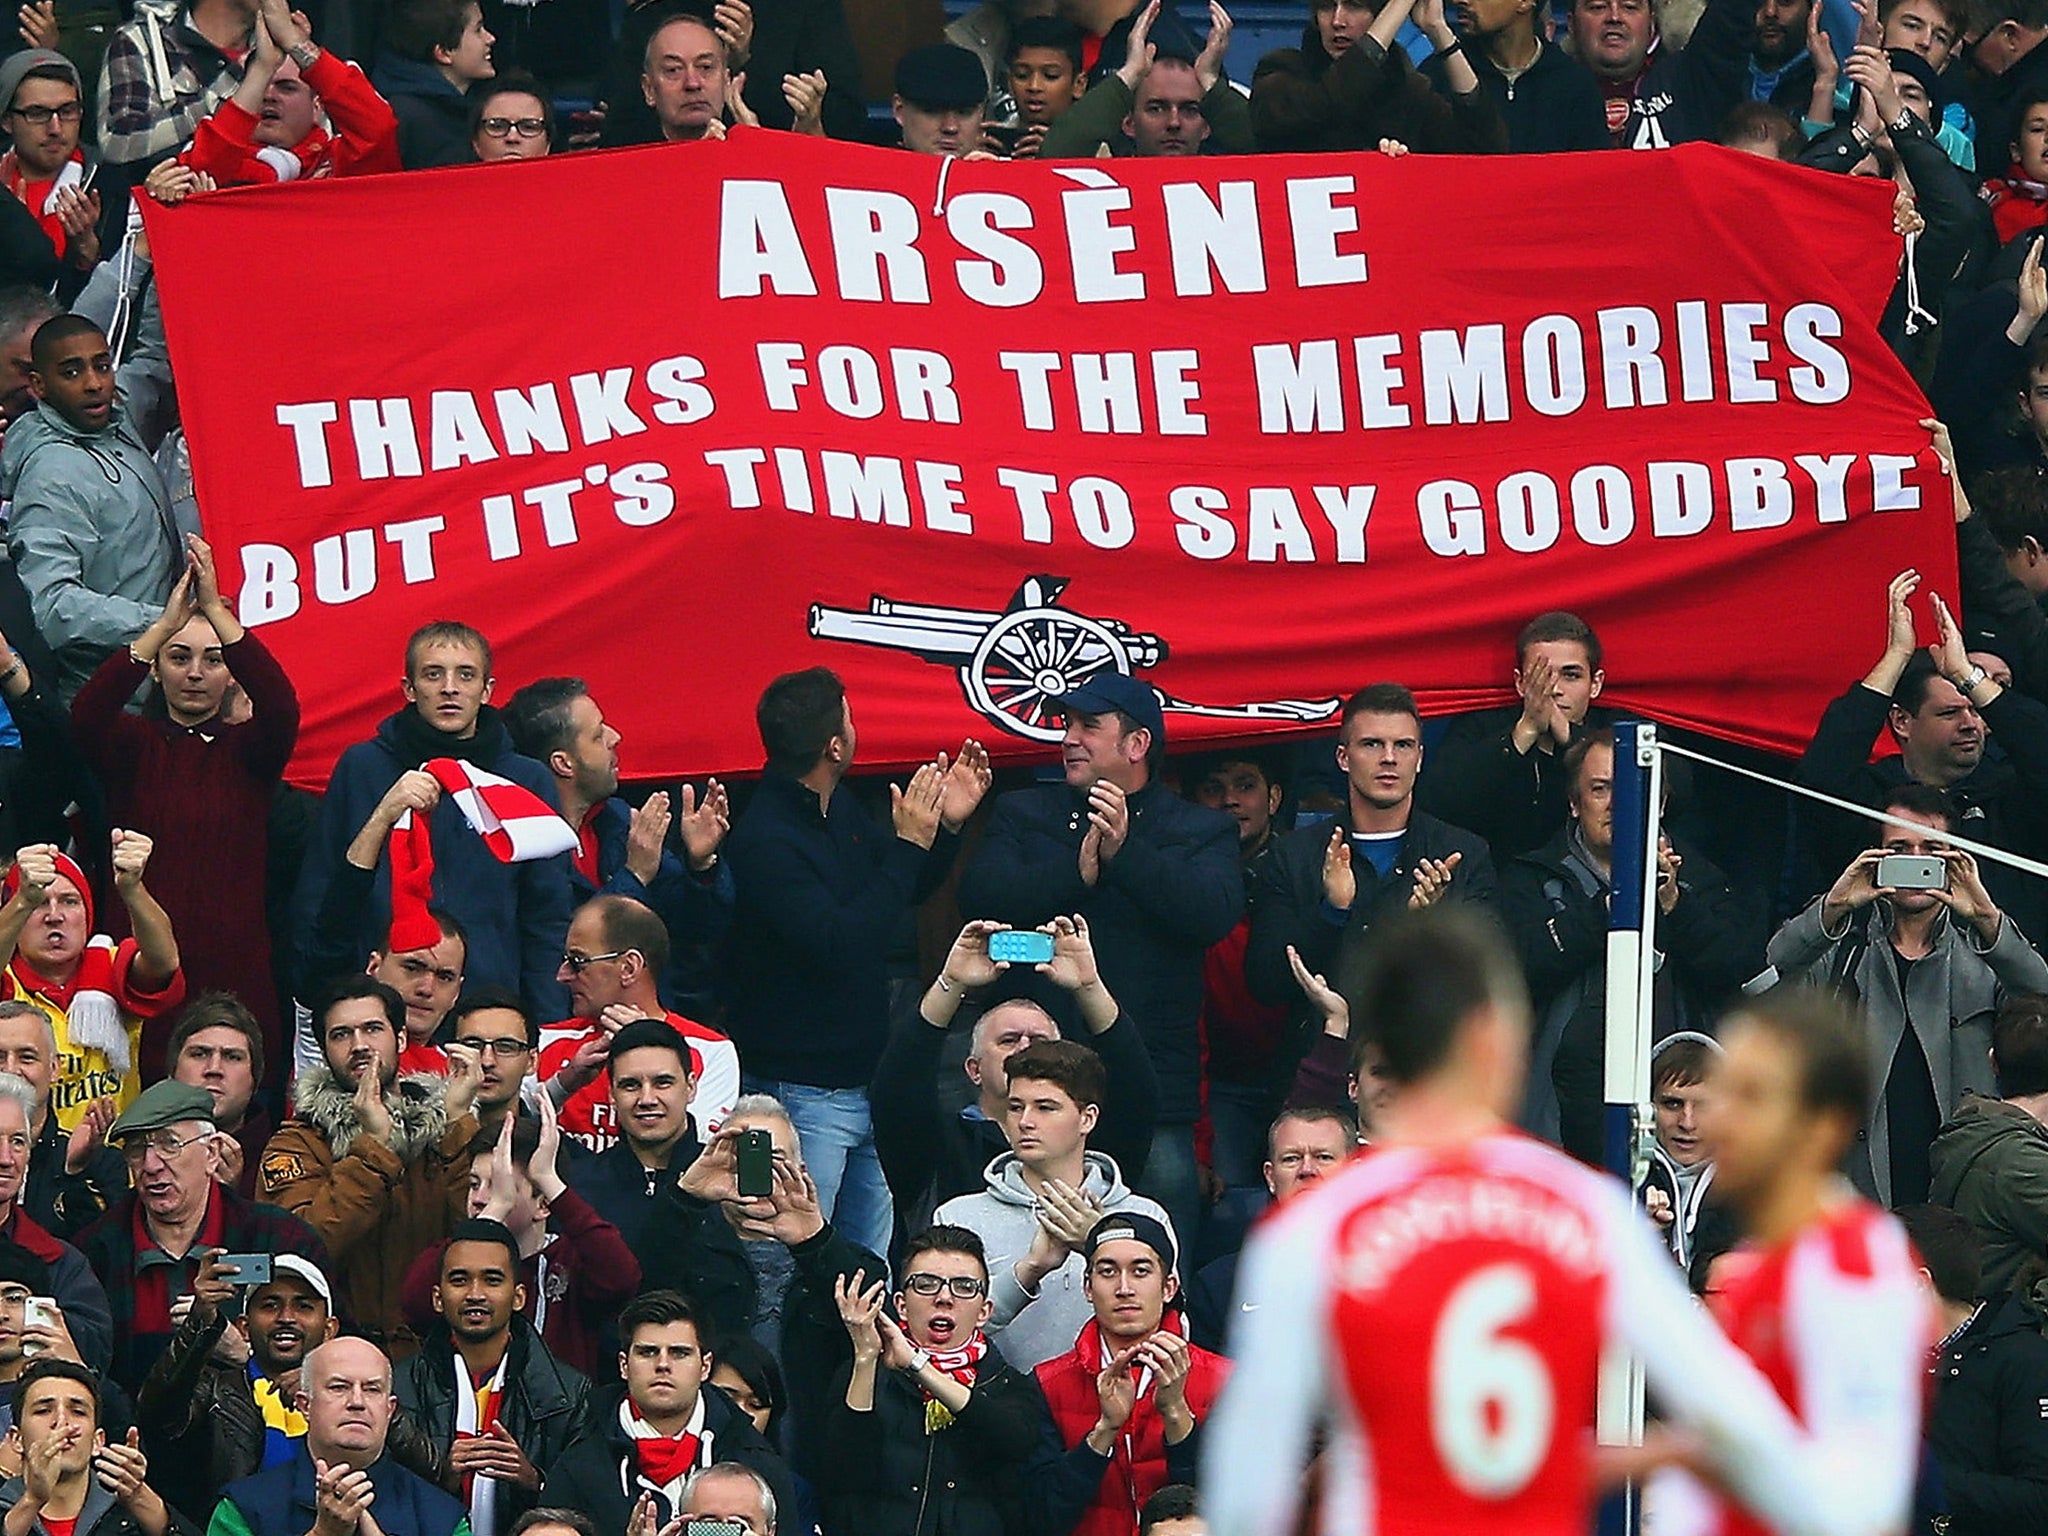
{"points": [[1033, 655]]}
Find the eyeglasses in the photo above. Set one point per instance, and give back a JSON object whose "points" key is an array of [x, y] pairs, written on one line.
{"points": [[166, 1145], [39, 117], [504, 1046], [577, 964], [966, 1287], [505, 127]]}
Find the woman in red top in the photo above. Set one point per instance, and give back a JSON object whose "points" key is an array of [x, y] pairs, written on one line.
{"points": [[197, 773]]}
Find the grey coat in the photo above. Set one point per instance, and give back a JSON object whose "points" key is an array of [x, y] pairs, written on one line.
{"points": [[1955, 992]]}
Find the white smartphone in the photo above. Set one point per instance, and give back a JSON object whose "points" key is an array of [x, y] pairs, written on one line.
{"points": [[37, 1312]]}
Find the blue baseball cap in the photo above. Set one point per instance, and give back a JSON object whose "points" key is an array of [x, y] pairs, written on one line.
{"points": [[1116, 692]]}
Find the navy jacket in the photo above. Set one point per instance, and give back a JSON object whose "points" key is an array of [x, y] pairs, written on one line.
{"points": [[433, 115], [516, 915], [1174, 889], [819, 897], [281, 1501]]}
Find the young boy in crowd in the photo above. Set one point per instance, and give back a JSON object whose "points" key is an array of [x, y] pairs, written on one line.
{"points": [[1680, 1168], [1044, 75]]}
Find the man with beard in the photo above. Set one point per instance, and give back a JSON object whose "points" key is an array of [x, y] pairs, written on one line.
{"points": [[73, 1479], [158, 1241], [376, 1163], [513, 915], [484, 1388]]}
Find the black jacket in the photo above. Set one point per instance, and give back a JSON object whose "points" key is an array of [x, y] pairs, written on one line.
{"points": [[433, 115], [2003, 803], [815, 1347], [1302, 99], [1287, 906], [929, 1156], [66, 1203], [545, 1405], [597, 1474], [888, 1475], [1556, 910], [682, 1244], [1174, 889], [1987, 1429], [791, 37], [1553, 106], [818, 896], [1475, 779]]}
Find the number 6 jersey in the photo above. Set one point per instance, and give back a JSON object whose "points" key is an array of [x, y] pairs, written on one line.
{"points": [[1440, 1314]]}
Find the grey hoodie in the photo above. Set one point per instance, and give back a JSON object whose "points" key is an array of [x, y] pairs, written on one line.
{"points": [[1031, 1329], [91, 535]]}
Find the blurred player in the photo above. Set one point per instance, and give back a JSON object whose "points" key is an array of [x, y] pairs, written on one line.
{"points": [[1825, 1296], [1440, 1307]]}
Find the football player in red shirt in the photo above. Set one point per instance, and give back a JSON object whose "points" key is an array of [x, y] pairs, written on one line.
{"points": [[1438, 1310]]}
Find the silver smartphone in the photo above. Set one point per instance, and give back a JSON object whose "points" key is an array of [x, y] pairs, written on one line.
{"points": [[1912, 872], [37, 1312]]}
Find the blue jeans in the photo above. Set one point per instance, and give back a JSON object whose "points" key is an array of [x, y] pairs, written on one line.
{"points": [[1171, 1179], [838, 1139]]}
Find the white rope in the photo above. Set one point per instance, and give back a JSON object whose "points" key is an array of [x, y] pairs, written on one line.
{"points": [[1995, 855]]}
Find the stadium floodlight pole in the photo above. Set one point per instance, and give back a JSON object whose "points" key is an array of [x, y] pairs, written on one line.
{"points": [[1631, 977]]}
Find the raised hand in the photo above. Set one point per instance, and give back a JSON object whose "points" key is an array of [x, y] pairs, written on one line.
{"points": [[1091, 856], [1116, 1390], [36, 867], [131, 857], [90, 1134], [736, 102], [37, 22], [1951, 654], [1668, 865], [965, 782], [1109, 812], [1432, 880], [465, 1078], [734, 22], [415, 790], [1856, 887], [806, 97], [967, 963], [705, 821], [1326, 999], [1067, 1214], [372, 1115], [646, 836], [915, 808], [1540, 715], [1966, 898], [342, 1497], [858, 1310], [1139, 51], [1901, 639], [1072, 966], [1340, 881], [1209, 63]]}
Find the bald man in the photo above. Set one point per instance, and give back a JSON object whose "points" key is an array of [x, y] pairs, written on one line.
{"points": [[340, 1468]]}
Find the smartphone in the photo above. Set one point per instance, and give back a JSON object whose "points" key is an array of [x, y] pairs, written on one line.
{"points": [[757, 1165], [706, 1525], [1004, 136], [1912, 872], [249, 1268], [1020, 946], [37, 1312]]}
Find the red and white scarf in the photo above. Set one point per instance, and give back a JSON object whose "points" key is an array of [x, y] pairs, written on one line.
{"points": [[514, 822], [962, 1364], [664, 1461], [92, 1013]]}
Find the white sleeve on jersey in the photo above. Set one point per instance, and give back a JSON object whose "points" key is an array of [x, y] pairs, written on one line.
{"points": [[1256, 1443], [718, 1089], [1800, 1483]]}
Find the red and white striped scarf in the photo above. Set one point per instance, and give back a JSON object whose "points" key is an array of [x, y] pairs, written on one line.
{"points": [[514, 822]]}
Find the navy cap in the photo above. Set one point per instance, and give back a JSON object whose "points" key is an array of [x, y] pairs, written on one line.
{"points": [[941, 75], [1131, 1227], [1110, 692], [1906, 62]]}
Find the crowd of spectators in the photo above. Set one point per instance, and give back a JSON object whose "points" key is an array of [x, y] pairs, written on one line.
{"points": [[725, 1166]]}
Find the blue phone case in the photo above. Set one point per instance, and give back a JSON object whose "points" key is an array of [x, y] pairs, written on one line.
{"points": [[1020, 946]]}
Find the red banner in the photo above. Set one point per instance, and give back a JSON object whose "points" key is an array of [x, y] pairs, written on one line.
{"points": [[1257, 430]]}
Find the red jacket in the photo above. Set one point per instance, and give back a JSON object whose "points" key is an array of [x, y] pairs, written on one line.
{"points": [[1137, 1465], [364, 141], [589, 1274]]}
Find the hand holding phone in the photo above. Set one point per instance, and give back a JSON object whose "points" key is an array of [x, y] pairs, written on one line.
{"points": [[1020, 946], [756, 1165]]}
